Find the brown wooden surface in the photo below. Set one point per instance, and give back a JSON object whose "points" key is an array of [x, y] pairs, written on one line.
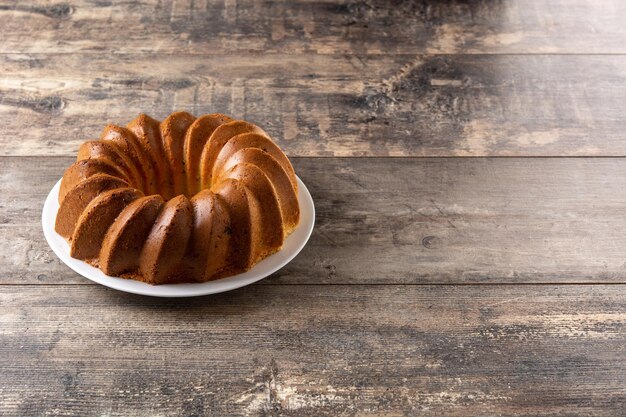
{"points": [[320, 105], [401, 221], [430, 286], [324, 27], [316, 350]]}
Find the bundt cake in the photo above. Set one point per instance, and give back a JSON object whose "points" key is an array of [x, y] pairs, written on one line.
{"points": [[185, 200]]}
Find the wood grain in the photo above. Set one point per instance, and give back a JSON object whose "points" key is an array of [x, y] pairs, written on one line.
{"points": [[313, 351], [387, 311], [320, 105], [401, 221], [363, 26]]}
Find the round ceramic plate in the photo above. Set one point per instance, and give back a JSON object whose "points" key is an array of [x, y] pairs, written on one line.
{"points": [[293, 245]]}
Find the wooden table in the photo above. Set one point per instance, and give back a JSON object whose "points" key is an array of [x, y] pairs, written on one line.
{"points": [[466, 161]]}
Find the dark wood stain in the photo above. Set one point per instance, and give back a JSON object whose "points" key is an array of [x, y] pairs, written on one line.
{"points": [[54, 11]]}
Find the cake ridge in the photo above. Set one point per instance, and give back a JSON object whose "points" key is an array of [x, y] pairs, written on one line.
{"points": [[173, 130], [148, 131], [128, 140], [195, 139]]}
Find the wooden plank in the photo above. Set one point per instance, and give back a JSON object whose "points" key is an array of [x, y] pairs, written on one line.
{"points": [[317, 105], [401, 220], [307, 351], [212, 27]]}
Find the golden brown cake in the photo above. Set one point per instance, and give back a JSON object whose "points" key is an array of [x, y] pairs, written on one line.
{"points": [[185, 200]]}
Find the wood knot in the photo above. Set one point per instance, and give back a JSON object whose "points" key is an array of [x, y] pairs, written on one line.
{"points": [[430, 242], [58, 11], [52, 104]]}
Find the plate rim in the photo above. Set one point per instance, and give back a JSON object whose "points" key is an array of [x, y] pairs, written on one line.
{"points": [[277, 261]]}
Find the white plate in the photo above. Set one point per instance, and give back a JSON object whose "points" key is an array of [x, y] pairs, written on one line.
{"points": [[293, 245]]}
